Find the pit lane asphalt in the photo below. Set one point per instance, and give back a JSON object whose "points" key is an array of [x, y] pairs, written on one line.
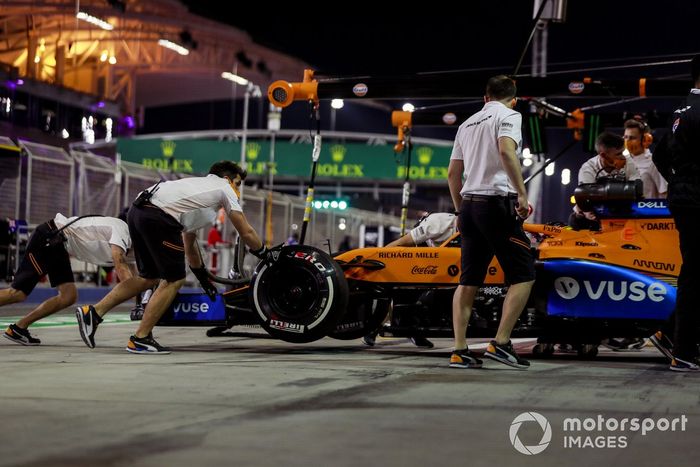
{"points": [[246, 400]]}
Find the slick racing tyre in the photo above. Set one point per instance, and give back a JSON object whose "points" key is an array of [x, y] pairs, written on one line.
{"points": [[300, 296], [364, 315]]}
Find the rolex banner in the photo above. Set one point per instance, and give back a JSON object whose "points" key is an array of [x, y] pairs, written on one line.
{"points": [[346, 160]]}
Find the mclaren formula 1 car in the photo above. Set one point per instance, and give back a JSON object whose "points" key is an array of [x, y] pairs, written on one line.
{"points": [[619, 281]]}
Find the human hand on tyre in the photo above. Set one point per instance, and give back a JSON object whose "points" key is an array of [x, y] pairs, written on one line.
{"points": [[203, 277], [264, 254]]}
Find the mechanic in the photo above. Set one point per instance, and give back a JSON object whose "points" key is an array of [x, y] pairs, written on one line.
{"points": [[608, 163], [93, 239], [163, 222], [676, 157], [432, 230], [492, 204], [637, 141]]}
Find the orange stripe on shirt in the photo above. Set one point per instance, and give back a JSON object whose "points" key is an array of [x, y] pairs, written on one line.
{"points": [[173, 246]]}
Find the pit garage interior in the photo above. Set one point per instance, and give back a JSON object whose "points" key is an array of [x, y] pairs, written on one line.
{"points": [[100, 99]]}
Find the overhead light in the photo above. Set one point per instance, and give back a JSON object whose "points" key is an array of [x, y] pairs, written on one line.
{"points": [[235, 78], [549, 170], [565, 177], [408, 107], [173, 46], [337, 103], [103, 57], [94, 20], [112, 60]]}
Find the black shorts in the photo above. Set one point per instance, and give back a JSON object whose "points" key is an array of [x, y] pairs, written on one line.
{"points": [[488, 226], [40, 260], [157, 241]]}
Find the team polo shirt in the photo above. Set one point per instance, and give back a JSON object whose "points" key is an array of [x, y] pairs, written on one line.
{"points": [[194, 202], [434, 229], [90, 239], [654, 182], [592, 169], [476, 144]]}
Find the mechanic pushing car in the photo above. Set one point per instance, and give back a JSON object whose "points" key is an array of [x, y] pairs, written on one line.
{"points": [[492, 204], [93, 239], [163, 222]]}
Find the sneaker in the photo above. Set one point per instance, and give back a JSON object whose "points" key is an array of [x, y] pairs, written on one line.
{"points": [[663, 344], [566, 348], [684, 365], [88, 320], [421, 342], [463, 358], [370, 339], [21, 336], [624, 344], [505, 353], [146, 345], [136, 313]]}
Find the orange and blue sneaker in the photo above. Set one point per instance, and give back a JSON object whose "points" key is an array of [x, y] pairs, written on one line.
{"points": [[88, 320], [463, 358], [505, 353], [146, 345], [663, 344], [20, 336], [691, 364]]}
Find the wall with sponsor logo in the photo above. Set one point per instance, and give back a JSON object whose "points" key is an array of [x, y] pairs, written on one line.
{"points": [[344, 161]]}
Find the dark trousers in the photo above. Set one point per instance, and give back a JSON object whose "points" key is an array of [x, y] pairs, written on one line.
{"points": [[685, 342]]}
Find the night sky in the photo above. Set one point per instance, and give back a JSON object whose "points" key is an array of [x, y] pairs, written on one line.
{"points": [[476, 34]]}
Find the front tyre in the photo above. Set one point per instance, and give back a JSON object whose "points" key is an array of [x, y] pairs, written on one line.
{"points": [[301, 296]]}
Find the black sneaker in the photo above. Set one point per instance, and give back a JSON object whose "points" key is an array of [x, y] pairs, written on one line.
{"points": [[678, 364], [463, 358], [663, 344], [505, 353], [419, 341], [21, 336], [624, 344], [136, 313], [146, 345], [370, 339], [88, 320]]}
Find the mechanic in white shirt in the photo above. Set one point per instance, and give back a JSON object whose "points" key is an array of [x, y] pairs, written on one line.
{"points": [[433, 230], [163, 222], [488, 191], [608, 163], [637, 141], [93, 239]]}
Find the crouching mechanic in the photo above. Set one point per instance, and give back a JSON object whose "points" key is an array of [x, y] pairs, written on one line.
{"points": [[432, 229], [163, 222], [95, 239]]}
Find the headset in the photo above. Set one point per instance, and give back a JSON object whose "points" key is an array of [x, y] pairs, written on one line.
{"points": [[647, 137]]}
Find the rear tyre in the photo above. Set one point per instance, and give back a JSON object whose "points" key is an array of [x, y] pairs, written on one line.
{"points": [[364, 315]]}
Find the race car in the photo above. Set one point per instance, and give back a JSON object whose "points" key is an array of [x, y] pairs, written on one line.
{"points": [[619, 281]]}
